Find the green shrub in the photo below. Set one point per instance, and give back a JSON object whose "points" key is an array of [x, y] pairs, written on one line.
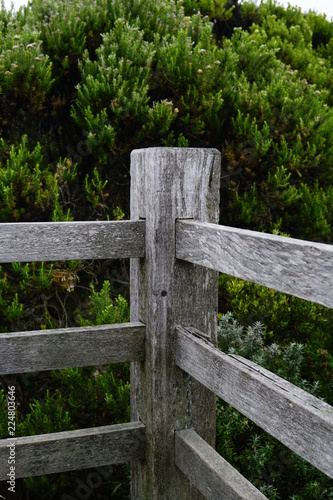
{"points": [[75, 397], [269, 465], [103, 310], [29, 190], [286, 319], [25, 71], [83, 83], [234, 339]]}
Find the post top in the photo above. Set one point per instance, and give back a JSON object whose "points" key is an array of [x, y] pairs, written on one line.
{"points": [[163, 149]]}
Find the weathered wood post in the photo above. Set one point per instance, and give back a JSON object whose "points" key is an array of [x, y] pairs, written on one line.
{"points": [[169, 184]]}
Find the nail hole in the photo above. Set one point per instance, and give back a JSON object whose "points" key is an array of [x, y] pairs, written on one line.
{"points": [[164, 293]]}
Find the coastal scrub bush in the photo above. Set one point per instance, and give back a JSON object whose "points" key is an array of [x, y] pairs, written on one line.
{"points": [[270, 466], [74, 398], [83, 83]]}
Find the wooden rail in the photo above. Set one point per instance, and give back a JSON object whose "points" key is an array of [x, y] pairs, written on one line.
{"points": [[47, 241], [297, 267], [294, 417], [213, 476], [73, 450], [70, 347], [176, 253]]}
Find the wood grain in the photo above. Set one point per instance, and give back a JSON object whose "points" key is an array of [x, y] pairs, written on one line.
{"points": [[70, 347], [297, 267], [39, 241], [73, 450], [168, 183], [291, 415], [209, 472]]}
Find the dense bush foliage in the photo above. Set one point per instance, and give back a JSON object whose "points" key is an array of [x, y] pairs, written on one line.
{"points": [[82, 84], [76, 398], [273, 468]]}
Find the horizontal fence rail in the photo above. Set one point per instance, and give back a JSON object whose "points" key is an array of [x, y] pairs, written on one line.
{"points": [[297, 267], [47, 241], [213, 476], [291, 415], [42, 350], [73, 450], [171, 188]]}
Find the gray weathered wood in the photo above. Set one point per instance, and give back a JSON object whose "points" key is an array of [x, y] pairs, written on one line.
{"points": [[297, 267], [293, 416], [70, 347], [209, 472], [168, 183], [45, 241], [73, 450]]}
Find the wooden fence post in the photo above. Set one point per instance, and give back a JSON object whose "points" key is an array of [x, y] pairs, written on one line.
{"points": [[169, 184]]}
